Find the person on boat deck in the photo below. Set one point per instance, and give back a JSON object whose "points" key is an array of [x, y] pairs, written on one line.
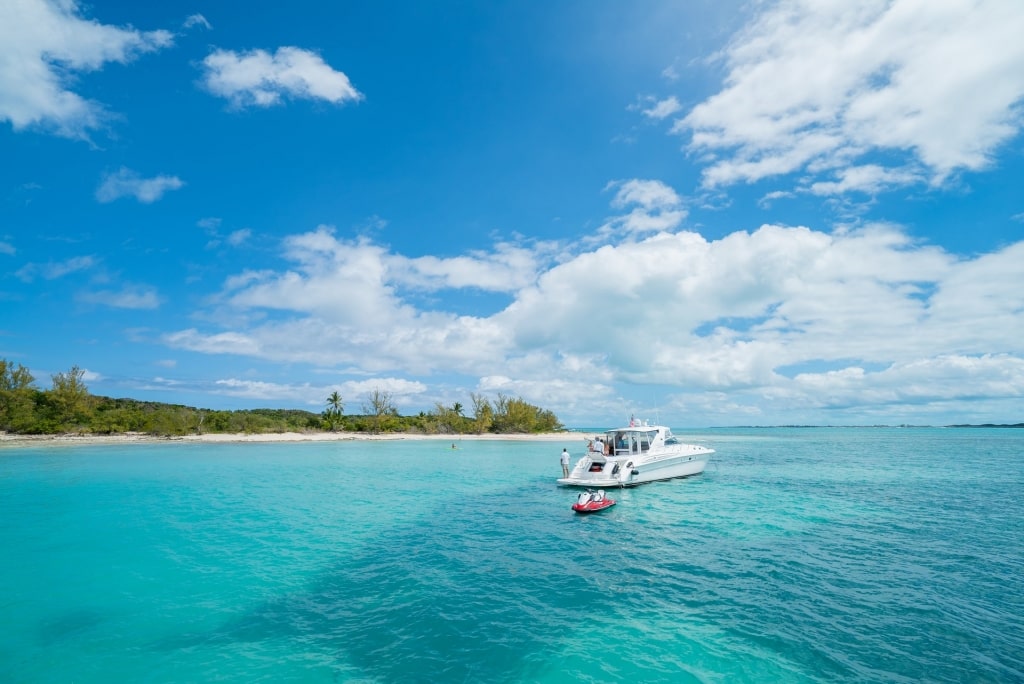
{"points": [[597, 445], [565, 463]]}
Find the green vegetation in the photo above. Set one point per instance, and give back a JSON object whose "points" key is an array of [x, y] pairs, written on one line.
{"points": [[68, 407]]}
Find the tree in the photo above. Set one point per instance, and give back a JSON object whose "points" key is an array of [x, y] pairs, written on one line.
{"points": [[69, 398], [457, 409], [483, 414], [17, 407], [512, 414], [334, 411], [444, 420], [379, 405]]}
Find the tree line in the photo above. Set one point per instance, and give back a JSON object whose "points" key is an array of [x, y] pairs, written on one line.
{"points": [[503, 415], [68, 407]]}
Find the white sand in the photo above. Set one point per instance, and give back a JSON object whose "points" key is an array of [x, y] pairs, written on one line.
{"points": [[21, 440]]}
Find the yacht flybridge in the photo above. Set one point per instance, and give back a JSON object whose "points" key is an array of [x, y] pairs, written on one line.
{"points": [[636, 454]]}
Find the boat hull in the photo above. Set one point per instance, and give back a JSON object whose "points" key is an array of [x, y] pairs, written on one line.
{"points": [[654, 470]]}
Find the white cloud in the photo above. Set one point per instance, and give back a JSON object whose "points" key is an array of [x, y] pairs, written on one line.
{"points": [[55, 269], [402, 391], [126, 183], [869, 178], [783, 317], [663, 108], [508, 268], [770, 197], [239, 237], [257, 78], [816, 86], [654, 207], [939, 380], [128, 297], [197, 20], [255, 389], [42, 45], [649, 194], [7, 248], [91, 376], [220, 343]]}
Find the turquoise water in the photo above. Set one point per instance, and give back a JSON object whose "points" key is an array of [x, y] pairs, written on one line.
{"points": [[801, 555]]}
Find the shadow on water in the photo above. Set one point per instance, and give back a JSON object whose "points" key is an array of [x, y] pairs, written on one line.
{"points": [[481, 590], [67, 626]]}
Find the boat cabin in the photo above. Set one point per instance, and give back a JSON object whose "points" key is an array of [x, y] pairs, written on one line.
{"points": [[625, 442]]}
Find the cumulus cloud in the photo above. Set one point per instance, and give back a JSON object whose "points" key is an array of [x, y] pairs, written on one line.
{"points": [[869, 179], [258, 78], [506, 269], [272, 391], [815, 87], [125, 183], [43, 44], [653, 207], [345, 296], [403, 392], [787, 317]]}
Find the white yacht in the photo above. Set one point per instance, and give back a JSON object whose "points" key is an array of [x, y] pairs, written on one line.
{"points": [[636, 454]]}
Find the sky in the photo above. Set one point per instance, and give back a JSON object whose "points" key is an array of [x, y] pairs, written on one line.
{"points": [[705, 213]]}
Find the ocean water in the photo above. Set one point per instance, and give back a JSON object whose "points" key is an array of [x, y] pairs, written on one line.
{"points": [[800, 555]]}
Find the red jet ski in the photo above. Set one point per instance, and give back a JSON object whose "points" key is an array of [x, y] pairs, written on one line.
{"points": [[591, 502]]}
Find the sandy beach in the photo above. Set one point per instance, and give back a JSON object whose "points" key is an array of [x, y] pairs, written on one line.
{"points": [[68, 439]]}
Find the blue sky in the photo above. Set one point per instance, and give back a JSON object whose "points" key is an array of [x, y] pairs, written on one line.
{"points": [[712, 213]]}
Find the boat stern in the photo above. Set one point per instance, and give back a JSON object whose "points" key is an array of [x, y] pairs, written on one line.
{"points": [[596, 473]]}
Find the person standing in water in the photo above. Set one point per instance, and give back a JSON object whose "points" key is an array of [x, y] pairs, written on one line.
{"points": [[565, 463]]}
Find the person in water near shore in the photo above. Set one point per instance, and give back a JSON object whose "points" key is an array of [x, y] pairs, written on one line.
{"points": [[565, 463]]}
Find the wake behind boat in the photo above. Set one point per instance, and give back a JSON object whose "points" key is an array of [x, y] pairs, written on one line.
{"points": [[634, 455]]}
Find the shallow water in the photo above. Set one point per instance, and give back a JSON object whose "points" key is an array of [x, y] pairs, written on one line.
{"points": [[801, 555]]}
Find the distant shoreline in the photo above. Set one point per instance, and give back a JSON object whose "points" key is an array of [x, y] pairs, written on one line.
{"points": [[15, 440], [283, 437]]}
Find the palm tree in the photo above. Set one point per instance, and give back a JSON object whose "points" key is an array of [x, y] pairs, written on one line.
{"points": [[457, 409], [335, 407]]}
